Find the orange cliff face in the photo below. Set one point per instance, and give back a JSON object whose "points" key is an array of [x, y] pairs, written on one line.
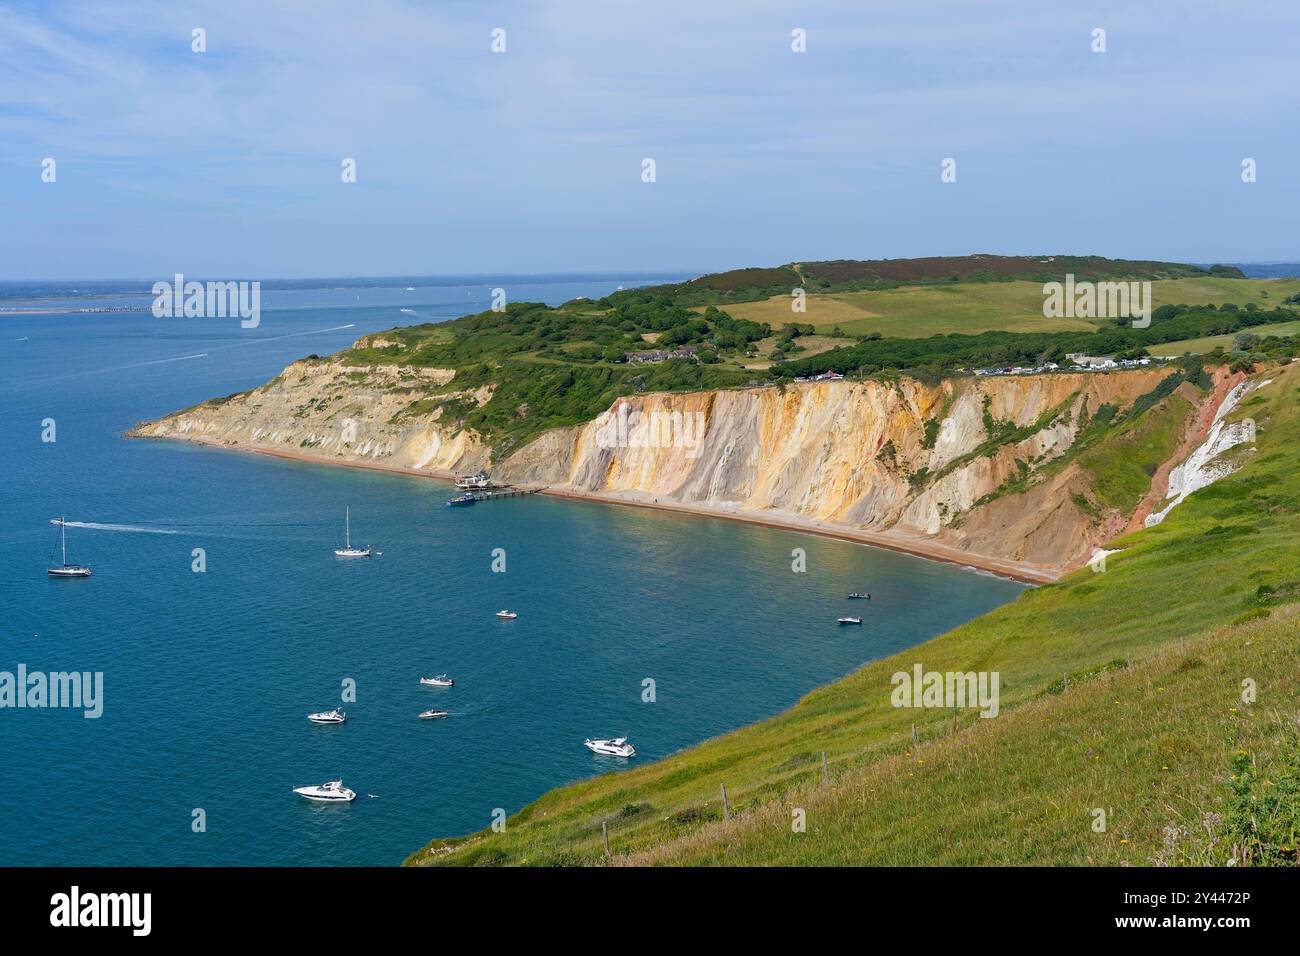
{"points": [[905, 458]]}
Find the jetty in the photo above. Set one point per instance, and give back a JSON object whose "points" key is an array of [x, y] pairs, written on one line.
{"points": [[500, 491], [507, 492]]}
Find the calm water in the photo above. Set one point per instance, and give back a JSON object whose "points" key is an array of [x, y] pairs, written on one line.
{"points": [[208, 676]]}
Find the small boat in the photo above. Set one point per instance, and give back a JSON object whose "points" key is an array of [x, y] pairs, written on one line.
{"points": [[331, 792], [442, 680], [347, 551], [461, 501], [507, 615], [66, 570], [858, 596], [616, 747], [432, 714], [334, 716], [849, 620]]}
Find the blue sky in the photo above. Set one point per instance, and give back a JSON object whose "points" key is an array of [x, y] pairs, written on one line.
{"points": [[227, 163]]}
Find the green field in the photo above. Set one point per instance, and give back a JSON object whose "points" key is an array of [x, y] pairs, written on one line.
{"points": [[969, 307], [1120, 691], [1212, 342]]}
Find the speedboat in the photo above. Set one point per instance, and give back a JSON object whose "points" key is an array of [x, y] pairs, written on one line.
{"points": [[347, 551], [617, 747], [432, 714], [334, 716], [331, 792], [507, 615], [66, 570], [442, 680], [856, 596], [849, 620]]}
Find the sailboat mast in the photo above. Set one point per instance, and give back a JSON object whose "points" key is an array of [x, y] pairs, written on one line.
{"points": [[347, 528], [63, 538]]}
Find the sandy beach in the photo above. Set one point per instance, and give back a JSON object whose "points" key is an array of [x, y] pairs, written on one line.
{"points": [[891, 539]]}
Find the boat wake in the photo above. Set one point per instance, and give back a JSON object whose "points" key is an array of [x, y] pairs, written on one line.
{"points": [[95, 526]]}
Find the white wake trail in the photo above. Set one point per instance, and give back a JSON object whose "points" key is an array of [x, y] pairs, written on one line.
{"points": [[288, 335], [95, 526], [180, 358]]}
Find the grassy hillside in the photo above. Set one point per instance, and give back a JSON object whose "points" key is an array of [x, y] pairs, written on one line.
{"points": [[1119, 690], [851, 275], [937, 354], [1209, 343], [916, 311], [1154, 746]]}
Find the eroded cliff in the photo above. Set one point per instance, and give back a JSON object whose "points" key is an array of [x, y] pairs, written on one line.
{"points": [[988, 466], [980, 464], [325, 409]]}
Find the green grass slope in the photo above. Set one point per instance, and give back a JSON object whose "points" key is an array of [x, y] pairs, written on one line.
{"points": [[1119, 691], [1225, 342], [916, 311], [849, 275]]}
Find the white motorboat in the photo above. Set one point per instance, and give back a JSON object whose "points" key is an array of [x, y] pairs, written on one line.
{"points": [[334, 716], [331, 792], [507, 615], [442, 680], [347, 551], [849, 620], [66, 570], [432, 714], [616, 747]]}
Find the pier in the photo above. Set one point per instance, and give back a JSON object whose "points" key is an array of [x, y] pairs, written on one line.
{"points": [[506, 491]]}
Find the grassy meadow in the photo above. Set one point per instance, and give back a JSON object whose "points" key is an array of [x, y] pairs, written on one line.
{"points": [[1120, 691], [1211, 342], [973, 307]]}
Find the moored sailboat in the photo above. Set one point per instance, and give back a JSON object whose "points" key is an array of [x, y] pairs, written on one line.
{"points": [[65, 570], [347, 551]]}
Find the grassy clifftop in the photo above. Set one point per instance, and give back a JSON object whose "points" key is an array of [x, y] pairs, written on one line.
{"points": [[531, 367], [534, 367], [1120, 691], [848, 275]]}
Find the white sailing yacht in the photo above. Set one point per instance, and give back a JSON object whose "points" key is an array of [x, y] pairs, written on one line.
{"points": [[347, 551], [66, 570]]}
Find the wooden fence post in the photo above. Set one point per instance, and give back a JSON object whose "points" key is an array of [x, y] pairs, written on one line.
{"points": [[726, 809], [825, 776], [604, 832]]}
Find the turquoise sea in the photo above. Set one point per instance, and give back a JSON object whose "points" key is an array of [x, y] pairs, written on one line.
{"points": [[208, 676]]}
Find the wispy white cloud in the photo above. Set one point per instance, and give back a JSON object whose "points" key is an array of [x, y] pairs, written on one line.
{"points": [[530, 159]]}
